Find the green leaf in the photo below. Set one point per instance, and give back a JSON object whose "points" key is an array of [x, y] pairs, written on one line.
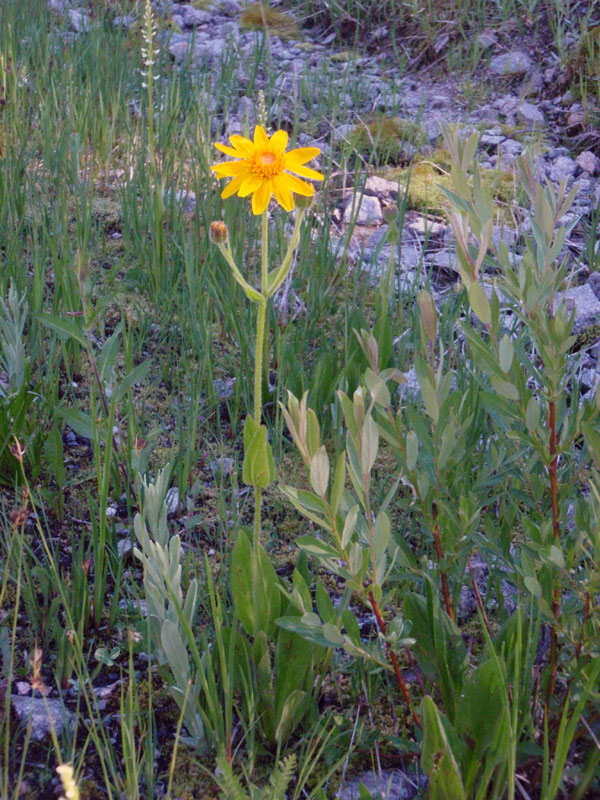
{"points": [[381, 537], [258, 469], [136, 375], [256, 598], [66, 328], [437, 758], [349, 525], [339, 480], [81, 423], [479, 302], [316, 547], [370, 444], [176, 652], [506, 353], [319, 471], [412, 450], [532, 414]]}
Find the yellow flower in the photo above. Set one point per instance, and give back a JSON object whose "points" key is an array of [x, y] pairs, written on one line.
{"points": [[263, 169]]}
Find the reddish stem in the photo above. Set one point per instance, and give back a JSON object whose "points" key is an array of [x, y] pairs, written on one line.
{"points": [[440, 555], [394, 660]]}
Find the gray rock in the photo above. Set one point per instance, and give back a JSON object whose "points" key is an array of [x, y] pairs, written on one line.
{"points": [[563, 167], [45, 714], [530, 116], [511, 147], [79, 20], [584, 302], [487, 39], [588, 162], [190, 16], [382, 188], [390, 785], [369, 210], [511, 64]]}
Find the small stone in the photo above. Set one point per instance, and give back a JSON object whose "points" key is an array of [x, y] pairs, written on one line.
{"points": [[530, 115], [45, 714], [23, 688], [369, 210], [563, 167], [588, 162], [511, 64]]}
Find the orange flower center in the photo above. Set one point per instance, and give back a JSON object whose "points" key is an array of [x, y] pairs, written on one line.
{"points": [[266, 165]]}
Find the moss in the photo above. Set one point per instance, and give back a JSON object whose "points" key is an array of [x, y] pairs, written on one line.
{"points": [[387, 137], [260, 17], [107, 214], [587, 337], [429, 175]]}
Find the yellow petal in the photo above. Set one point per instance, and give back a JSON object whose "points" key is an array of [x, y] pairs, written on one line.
{"points": [[261, 140], [298, 186], [228, 150], [301, 155], [231, 168], [279, 141], [283, 194], [242, 144], [251, 184], [232, 187], [306, 172], [261, 197]]}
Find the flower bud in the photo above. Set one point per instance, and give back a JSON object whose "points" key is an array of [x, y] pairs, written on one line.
{"points": [[389, 213], [302, 202], [218, 233]]}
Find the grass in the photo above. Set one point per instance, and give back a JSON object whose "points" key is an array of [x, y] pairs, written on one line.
{"points": [[127, 345]]}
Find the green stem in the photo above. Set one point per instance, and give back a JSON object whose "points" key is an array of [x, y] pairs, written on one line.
{"points": [[257, 500], [258, 359]]}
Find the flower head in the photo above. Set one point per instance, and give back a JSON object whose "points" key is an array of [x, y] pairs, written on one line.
{"points": [[263, 169]]}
